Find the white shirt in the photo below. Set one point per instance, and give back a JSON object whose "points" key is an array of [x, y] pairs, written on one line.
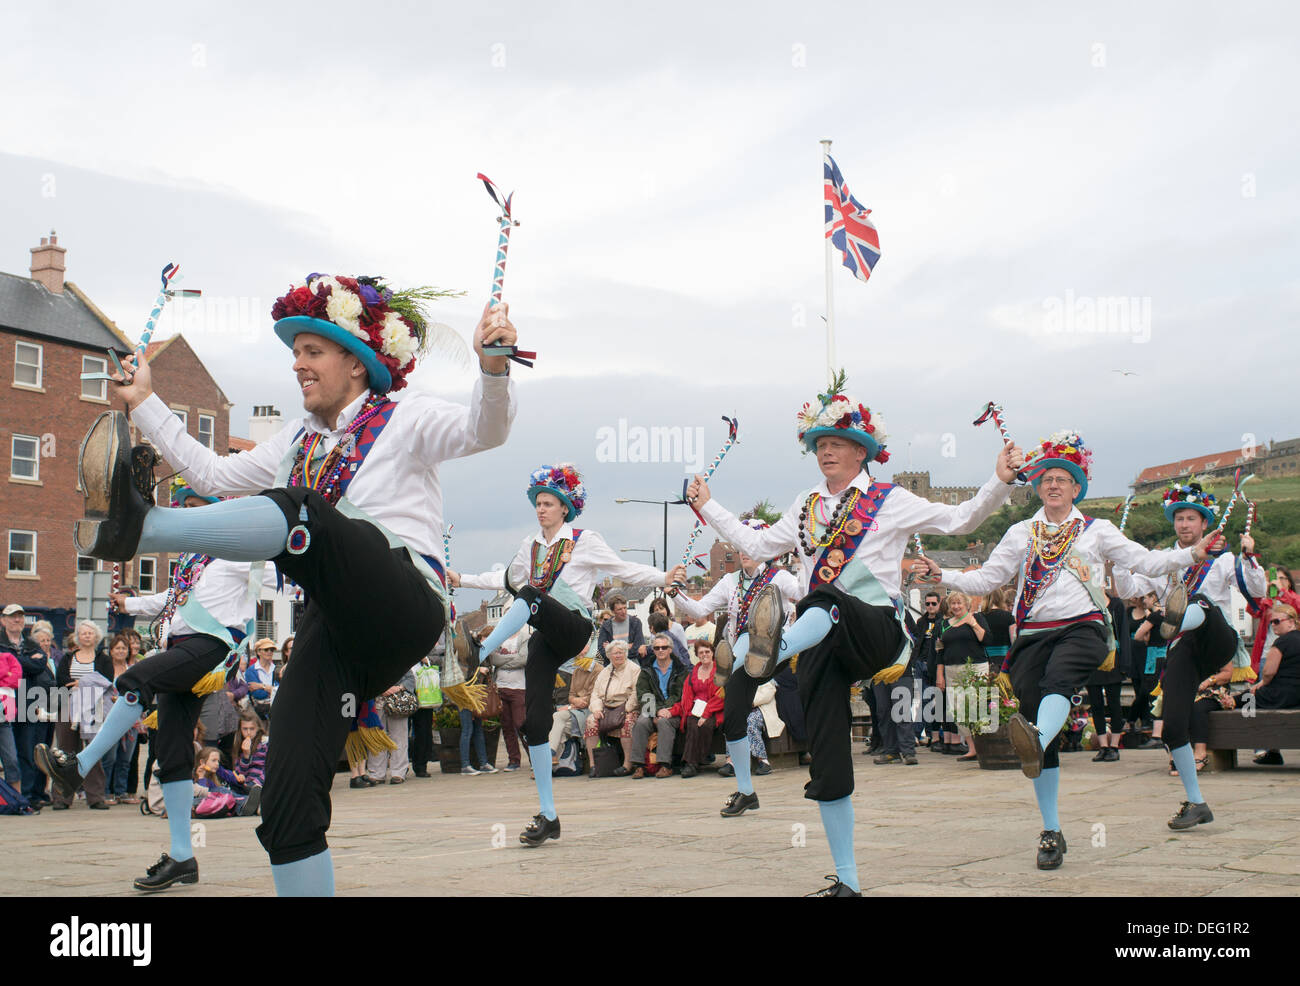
{"points": [[901, 514], [589, 557], [1217, 587], [398, 485], [222, 590], [727, 591], [1066, 598]]}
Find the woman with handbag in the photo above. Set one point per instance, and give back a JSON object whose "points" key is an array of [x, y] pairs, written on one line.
{"points": [[396, 705], [613, 706]]}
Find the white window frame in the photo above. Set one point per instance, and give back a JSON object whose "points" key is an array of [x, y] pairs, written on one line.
{"points": [[35, 459], [210, 444], [172, 565], [40, 365], [184, 415], [94, 364], [9, 555], [151, 575]]}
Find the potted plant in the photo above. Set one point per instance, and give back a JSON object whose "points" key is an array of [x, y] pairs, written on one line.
{"points": [[984, 709], [447, 722]]}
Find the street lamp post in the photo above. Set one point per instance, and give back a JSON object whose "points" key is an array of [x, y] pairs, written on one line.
{"points": [[665, 503], [653, 562]]}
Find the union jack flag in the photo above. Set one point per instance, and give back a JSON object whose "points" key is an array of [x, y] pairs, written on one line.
{"points": [[848, 225]]}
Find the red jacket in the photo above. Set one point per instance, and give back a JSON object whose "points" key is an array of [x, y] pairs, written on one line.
{"points": [[695, 688], [1262, 608]]}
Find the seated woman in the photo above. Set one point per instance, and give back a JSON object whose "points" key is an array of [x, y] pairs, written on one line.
{"points": [[700, 708], [613, 705], [1278, 686], [250, 752], [212, 778]]}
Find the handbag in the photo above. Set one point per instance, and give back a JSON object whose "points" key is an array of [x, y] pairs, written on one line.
{"points": [[492, 704], [401, 704]]}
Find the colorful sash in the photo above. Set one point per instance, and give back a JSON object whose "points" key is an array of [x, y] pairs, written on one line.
{"points": [[334, 477], [840, 551], [1037, 574], [552, 564], [748, 596], [1194, 575], [188, 572]]}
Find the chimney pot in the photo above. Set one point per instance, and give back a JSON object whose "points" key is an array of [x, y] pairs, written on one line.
{"points": [[47, 264]]}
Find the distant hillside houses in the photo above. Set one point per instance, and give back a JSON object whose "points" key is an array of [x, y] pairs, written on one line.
{"points": [[1277, 460]]}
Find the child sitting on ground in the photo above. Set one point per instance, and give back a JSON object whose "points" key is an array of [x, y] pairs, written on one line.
{"points": [[210, 778], [250, 753]]}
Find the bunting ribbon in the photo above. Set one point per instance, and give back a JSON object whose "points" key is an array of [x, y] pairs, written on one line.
{"points": [[169, 273], [1237, 483], [1250, 517], [451, 590], [1127, 505], [688, 555], [508, 222]]}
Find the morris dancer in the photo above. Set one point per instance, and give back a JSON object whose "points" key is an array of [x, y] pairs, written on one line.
{"points": [[359, 539], [850, 533], [552, 577], [1203, 647], [738, 590], [1062, 624], [202, 618]]}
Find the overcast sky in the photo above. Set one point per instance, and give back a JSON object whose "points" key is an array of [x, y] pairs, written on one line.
{"points": [[1027, 167]]}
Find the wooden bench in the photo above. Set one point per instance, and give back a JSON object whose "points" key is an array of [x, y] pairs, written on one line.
{"points": [[1267, 729]]}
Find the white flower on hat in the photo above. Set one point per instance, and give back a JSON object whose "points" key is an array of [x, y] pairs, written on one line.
{"points": [[397, 339], [344, 308]]}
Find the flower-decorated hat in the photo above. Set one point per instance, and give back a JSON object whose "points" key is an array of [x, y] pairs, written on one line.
{"points": [[181, 491], [1181, 496], [562, 481], [385, 329], [1063, 450], [835, 413]]}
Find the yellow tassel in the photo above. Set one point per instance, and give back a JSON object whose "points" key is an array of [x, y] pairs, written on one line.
{"points": [[1244, 673], [211, 682], [1004, 685], [1158, 690], [1109, 663], [470, 697], [367, 741], [794, 664], [585, 663], [559, 682], [151, 720], [888, 676]]}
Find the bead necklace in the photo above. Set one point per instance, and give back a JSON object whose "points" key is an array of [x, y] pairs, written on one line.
{"points": [[189, 569], [325, 481], [547, 562], [835, 526], [1046, 552]]}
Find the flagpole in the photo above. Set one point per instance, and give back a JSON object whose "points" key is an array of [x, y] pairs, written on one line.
{"points": [[830, 267]]}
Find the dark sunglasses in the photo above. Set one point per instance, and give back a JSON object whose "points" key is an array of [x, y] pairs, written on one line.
{"points": [[1277, 619], [659, 647]]}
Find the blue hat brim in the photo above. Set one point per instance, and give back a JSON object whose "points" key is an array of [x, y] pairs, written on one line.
{"points": [[1071, 467], [287, 328], [573, 511], [1200, 508], [185, 492], [852, 434]]}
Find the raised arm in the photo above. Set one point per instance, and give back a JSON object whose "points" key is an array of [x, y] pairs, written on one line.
{"points": [[710, 602], [907, 511], [1003, 565], [448, 431], [764, 545], [149, 606], [1132, 556], [207, 472], [601, 555]]}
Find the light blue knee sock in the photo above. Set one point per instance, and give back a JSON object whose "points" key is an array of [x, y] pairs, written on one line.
{"points": [[837, 819], [511, 623], [178, 798], [1185, 761], [540, 755], [310, 877], [738, 750], [121, 717], [807, 631], [1052, 711], [251, 528], [1047, 785], [739, 649]]}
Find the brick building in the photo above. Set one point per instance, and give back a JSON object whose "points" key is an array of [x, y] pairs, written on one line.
{"points": [[1277, 460], [50, 333]]}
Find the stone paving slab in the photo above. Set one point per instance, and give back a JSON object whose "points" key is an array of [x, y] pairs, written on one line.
{"points": [[939, 828]]}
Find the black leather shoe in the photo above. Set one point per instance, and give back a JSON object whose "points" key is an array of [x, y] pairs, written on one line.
{"points": [[1189, 816], [621, 771], [738, 804], [167, 871], [114, 508], [689, 770], [1024, 737], [760, 768], [836, 889], [61, 768], [250, 806], [1272, 758], [1051, 850], [1101, 756], [766, 617], [726, 770], [539, 830], [1112, 754]]}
